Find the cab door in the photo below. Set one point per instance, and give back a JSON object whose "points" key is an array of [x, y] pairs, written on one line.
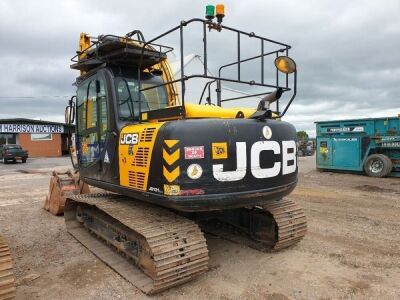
{"points": [[94, 142], [324, 152]]}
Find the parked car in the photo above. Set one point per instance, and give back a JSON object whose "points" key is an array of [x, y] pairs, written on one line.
{"points": [[12, 153]]}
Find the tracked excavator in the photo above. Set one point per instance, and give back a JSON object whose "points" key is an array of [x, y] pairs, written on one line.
{"points": [[169, 164]]}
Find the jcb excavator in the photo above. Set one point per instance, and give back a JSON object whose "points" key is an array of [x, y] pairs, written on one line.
{"points": [[169, 165]]}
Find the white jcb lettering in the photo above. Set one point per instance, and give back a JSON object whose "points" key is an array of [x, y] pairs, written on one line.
{"points": [[256, 150], [288, 164], [287, 157], [240, 172], [129, 139]]}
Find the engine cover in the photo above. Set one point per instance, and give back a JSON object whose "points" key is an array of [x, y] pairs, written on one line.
{"points": [[208, 164]]}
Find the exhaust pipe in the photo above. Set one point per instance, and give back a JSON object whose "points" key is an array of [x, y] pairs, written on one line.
{"points": [[270, 98]]}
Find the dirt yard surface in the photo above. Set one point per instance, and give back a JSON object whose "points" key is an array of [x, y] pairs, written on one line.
{"points": [[352, 249]]}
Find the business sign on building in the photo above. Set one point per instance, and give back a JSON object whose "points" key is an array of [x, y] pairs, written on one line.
{"points": [[31, 128]]}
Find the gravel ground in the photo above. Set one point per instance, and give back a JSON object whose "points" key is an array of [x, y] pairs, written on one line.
{"points": [[352, 249]]}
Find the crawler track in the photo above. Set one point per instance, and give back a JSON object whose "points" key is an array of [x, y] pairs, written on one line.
{"points": [[7, 281], [291, 223], [272, 226], [169, 249]]}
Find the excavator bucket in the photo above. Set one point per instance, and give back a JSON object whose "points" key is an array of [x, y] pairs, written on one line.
{"points": [[62, 185]]}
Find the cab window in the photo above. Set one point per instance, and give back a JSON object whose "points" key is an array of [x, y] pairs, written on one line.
{"points": [[128, 96]]}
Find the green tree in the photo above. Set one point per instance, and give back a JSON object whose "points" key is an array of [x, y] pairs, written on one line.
{"points": [[302, 135]]}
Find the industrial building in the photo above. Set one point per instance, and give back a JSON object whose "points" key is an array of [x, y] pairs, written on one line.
{"points": [[40, 138]]}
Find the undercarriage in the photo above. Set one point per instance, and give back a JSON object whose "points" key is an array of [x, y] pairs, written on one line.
{"points": [[167, 247]]}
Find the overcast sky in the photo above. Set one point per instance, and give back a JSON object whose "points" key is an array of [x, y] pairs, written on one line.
{"points": [[347, 52]]}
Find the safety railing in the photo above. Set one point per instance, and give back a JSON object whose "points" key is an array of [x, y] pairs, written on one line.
{"points": [[208, 24]]}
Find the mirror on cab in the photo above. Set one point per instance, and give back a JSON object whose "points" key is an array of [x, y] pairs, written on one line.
{"points": [[285, 64], [69, 113], [66, 114]]}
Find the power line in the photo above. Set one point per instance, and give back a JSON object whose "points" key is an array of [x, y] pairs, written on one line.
{"points": [[35, 97]]}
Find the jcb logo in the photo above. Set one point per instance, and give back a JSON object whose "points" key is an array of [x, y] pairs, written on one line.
{"points": [[219, 150], [288, 152], [129, 139]]}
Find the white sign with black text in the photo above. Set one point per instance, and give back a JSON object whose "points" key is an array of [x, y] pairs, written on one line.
{"points": [[31, 128]]}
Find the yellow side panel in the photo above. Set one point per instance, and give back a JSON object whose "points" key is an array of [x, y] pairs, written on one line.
{"points": [[211, 111], [135, 149]]}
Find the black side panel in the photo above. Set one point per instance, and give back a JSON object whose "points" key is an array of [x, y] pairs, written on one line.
{"points": [[204, 133]]}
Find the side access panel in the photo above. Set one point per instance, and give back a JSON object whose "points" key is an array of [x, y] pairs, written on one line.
{"points": [[339, 153], [346, 153], [136, 146], [324, 153]]}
